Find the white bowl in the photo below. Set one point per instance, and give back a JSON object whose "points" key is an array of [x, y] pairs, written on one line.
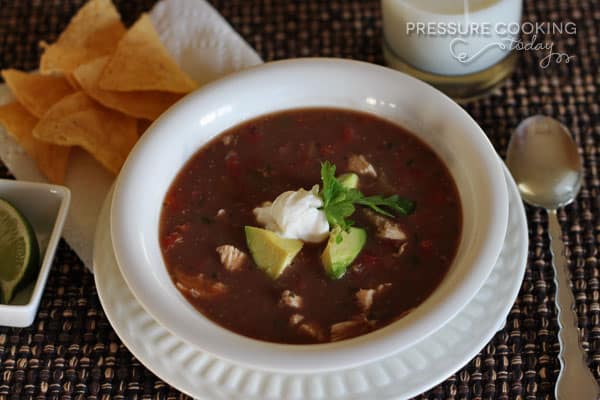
{"points": [[45, 207], [179, 133]]}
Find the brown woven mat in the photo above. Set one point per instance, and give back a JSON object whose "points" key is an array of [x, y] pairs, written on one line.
{"points": [[72, 352]]}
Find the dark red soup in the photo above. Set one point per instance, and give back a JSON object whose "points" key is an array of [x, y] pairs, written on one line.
{"points": [[403, 260]]}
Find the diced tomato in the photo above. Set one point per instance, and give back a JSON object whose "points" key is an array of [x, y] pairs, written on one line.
{"points": [[368, 259], [232, 163], [168, 201], [172, 239], [439, 197], [417, 173], [284, 150], [426, 244], [183, 227], [301, 284], [348, 134], [303, 155], [173, 203], [254, 135], [326, 150], [196, 195]]}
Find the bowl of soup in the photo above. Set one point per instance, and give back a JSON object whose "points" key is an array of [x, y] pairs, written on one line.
{"points": [[309, 215]]}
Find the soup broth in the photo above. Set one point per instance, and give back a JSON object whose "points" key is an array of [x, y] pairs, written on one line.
{"points": [[213, 197]]}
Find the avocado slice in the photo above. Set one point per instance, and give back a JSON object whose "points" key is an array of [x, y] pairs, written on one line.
{"points": [[342, 248], [349, 180], [271, 252]]}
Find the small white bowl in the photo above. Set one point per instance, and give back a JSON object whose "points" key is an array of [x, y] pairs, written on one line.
{"points": [[45, 207], [178, 134]]}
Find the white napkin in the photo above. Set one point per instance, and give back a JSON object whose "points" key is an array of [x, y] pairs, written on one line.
{"points": [[203, 44]]}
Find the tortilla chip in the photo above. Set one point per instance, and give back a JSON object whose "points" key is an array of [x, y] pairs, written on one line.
{"points": [[70, 77], [141, 62], [93, 32], [77, 120], [51, 160], [148, 105], [37, 93]]}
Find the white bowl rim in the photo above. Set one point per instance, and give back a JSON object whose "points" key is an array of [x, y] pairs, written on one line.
{"points": [[316, 357]]}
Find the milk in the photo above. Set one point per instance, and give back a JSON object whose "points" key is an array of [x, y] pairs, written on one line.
{"points": [[485, 30]]}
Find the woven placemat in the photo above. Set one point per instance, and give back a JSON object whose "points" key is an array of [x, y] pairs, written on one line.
{"points": [[72, 352]]}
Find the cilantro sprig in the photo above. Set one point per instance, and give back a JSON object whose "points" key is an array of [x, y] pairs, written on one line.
{"points": [[339, 202]]}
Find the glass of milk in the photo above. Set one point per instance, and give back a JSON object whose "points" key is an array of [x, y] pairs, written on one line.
{"points": [[463, 47]]}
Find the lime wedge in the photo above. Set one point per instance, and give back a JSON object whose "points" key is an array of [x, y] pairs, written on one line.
{"points": [[19, 251]]}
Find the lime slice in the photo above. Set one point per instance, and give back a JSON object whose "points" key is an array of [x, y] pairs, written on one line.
{"points": [[19, 251]]}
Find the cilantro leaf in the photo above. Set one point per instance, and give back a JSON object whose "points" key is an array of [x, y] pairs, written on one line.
{"points": [[338, 213], [396, 203], [339, 202], [332, 189]]}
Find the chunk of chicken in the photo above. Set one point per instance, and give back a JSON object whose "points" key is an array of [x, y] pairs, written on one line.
{"points": [[231, 257], [398, 253], [295, 319], [221, 213], [382, 287], [386, 228], [199, 286], [290, 299], [360, 165], [230, 140], [311, 329], [351, 328], [357, 268], [364, 298]]}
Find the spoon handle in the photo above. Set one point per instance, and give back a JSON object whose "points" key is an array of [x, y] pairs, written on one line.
{"points": [[575, 380]]}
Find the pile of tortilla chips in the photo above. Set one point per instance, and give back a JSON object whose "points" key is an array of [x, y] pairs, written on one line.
{"points": [[98, 87]]}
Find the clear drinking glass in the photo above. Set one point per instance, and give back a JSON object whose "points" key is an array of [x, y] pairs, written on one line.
{"points": [[463, 47]]}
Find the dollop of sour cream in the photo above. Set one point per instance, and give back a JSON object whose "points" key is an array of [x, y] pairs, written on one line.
{"points": [[295, 215]]}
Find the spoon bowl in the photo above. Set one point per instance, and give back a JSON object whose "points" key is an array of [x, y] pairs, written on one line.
{"points": [[545, 162]]}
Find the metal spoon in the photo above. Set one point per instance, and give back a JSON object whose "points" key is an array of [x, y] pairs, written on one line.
{"points": [[544, 161]]}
